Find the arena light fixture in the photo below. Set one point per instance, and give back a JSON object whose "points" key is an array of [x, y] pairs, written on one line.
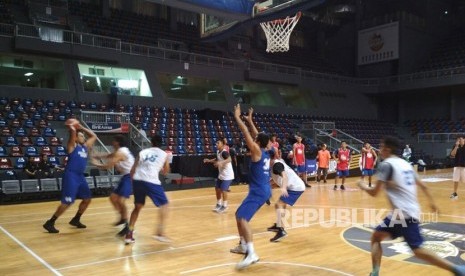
{"points": [[28, 74]]}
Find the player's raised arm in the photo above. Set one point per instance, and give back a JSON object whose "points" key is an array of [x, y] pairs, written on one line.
{"points": [[249, 118], [91, 136], [255, 151]]}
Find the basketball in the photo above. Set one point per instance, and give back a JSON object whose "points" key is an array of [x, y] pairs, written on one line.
{"points": [[72, 122]]}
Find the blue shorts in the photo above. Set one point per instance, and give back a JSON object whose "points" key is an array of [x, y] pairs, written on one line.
{"points": [[343, 173], [300, 169], [223, 184], [292, 198], [154, 191], [250, 206], [74, 186], [411, 232], [124, 187], [367, 172]]}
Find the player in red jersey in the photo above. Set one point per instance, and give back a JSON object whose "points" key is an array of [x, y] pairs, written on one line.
{"points": [[342, 155], [299, 159], [368, 162]]}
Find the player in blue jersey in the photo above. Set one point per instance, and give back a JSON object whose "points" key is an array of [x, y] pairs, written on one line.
{"points": [[259, 188], [74, 182]]}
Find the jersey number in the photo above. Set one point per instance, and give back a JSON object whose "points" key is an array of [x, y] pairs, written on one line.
{"points": [[409, 177]]}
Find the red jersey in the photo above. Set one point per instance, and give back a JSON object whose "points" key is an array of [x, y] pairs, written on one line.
{"points": [[299, 154], [226, 148], [368, 160], [343, 156], [275, 145]]}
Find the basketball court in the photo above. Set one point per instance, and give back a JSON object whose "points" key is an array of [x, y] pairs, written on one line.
{"points": [[329, 235]]}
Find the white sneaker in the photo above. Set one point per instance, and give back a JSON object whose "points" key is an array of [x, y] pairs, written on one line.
{"points": [[248, 260], [162, 239], [222, 209], [218, 206], [454, 196], [239, 249]]}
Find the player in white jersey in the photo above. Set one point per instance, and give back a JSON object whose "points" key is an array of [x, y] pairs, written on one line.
{"points": [[291, 186], [122, 160], [225, 175], [400, 181], [145, 179]]}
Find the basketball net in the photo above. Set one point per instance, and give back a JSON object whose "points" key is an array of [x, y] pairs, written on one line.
{"points": [[278, 32]]}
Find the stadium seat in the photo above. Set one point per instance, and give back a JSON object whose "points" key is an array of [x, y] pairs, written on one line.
{"points": [[3, 152], [61, 151], [26, 141], [49, 132], [30, 185], [20, 132], [11, 187], [20, 163], [48, 184], [54, 141], [29, 123], [11, 141], [16, 152], [40, 141], [31, 151], [6, 131], [5, 163]]}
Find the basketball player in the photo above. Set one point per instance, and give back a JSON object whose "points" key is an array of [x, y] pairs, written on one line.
{"points": [[458, 152], [144, 174], [323, 158], [343, 159], [74, 182], [123, 160], [298, 159], [400, 181], [291, 186], [275, 145], [225, 176], [368, 162], [259, 188], [225, 143]]}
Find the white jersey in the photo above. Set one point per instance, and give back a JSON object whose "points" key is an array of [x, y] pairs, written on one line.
{"points": [[401, 186], [151, 162], [226, 171], [294, 182], [124, 167]]}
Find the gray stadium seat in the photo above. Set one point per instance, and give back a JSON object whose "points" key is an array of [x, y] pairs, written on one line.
{"points": [[30, 185], [48, 184], [102, 182], [11, 187], [115, 180], [91, 182]]}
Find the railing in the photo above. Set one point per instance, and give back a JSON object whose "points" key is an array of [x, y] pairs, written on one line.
{"points": [[274, 68], [438, 137], [105, 117], [194, 58], [137, 138], [427, 75]]}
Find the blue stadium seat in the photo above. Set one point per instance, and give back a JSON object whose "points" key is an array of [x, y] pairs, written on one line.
{"points": [[29, 123], [20, 163], [40, 141], [3, 152], [11, 141], [49, 132], [4, 101], [3, 123], [20, 132], [54, 160], [61, 151], [31, 151]]}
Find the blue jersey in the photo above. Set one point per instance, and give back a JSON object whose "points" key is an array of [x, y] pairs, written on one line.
{"points": [[77, 160], [259, 175]]}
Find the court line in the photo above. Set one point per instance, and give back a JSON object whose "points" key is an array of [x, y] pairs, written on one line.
{"points": [[272, 263], [42, 261], [169, 249]]}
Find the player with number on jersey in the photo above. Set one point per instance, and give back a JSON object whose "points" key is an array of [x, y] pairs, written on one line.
{"points": [[368, 162], [343, 160], [259, 188]]}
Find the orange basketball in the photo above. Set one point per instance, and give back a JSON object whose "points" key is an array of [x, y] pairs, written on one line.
{"points": [[72, 122]]}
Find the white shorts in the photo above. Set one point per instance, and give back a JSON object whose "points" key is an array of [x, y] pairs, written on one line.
{"points": [[459, 174]]}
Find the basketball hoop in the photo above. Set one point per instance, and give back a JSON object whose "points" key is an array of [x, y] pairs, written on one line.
{"points": [[278, 32]]}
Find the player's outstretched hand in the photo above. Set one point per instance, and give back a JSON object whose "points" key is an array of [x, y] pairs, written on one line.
{"points": [[237, 111]]}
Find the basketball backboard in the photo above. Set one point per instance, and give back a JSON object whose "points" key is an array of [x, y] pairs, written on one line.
{"points": [[214, 24]]}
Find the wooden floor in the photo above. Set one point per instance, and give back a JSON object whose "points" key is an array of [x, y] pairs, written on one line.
{"points": [[201, 238]]}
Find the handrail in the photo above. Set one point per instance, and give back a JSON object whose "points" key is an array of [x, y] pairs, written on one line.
{"points": [[439, 137], [201, 59]]}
